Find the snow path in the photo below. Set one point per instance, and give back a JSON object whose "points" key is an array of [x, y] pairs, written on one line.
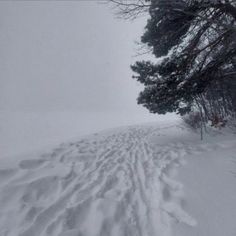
{"points": [[118, 183]]}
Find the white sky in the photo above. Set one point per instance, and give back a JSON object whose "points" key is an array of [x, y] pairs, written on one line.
{"points": [[65, 72], [58, 55]]}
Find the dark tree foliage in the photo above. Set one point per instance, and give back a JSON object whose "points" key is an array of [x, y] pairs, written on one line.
{"points": [[196, 41]]}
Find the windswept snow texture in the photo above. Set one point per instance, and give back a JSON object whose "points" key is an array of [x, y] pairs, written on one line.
{"points": [[116, 183]]}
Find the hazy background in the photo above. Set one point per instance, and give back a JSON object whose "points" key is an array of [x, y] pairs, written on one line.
{"points": [[66, 55], [64, 72]]}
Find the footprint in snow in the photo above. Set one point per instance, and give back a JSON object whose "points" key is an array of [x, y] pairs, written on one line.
{"points": [[31, 164]]}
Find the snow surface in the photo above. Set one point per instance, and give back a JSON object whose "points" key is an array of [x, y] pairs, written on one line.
{"points": [[26, 131], [150, 180]]}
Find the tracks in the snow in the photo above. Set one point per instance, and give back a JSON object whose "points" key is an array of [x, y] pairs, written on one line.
{"points": [[111, 184]]}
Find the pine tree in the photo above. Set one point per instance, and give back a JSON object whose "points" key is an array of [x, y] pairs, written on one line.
{"points": [[196, 40]]}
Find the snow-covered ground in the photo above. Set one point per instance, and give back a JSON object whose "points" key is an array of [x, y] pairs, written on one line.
{"points": [[156, 179], [24, 131]]}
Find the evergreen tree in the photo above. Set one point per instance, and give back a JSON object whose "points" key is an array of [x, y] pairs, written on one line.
{"points": [[196, 40]]}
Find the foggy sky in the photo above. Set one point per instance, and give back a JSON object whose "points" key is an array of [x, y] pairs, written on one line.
{"points": [[66, 56]]}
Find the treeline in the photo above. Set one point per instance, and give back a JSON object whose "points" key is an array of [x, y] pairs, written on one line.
{"points": [[195, 44]]}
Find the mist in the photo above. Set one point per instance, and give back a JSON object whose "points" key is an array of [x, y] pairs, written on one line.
{"points": [[65, 72], [66, 56]]}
